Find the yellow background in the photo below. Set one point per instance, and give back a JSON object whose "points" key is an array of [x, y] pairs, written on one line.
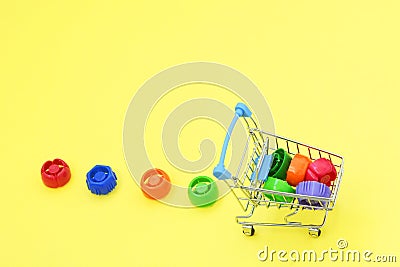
{"points": [[68, 69]]}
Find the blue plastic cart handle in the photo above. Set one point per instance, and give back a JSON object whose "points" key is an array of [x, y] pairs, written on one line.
{"points": [[241, 110]]}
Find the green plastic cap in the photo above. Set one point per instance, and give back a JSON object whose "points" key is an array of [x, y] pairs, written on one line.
{"points": [[276, 184], [203, 191], [280, 164]]}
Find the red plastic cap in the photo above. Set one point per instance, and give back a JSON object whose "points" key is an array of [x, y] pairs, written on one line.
{"points": [[321, 170], [55, 173], [155, 184]]}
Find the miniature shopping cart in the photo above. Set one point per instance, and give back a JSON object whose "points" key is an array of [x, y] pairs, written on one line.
{"points": [[252, 173]]}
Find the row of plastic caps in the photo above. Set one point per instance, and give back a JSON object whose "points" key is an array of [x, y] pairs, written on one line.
{"points": [[100, 179], [202, 190], [155, 183]]}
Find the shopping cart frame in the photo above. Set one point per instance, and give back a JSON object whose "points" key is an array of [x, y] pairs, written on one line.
{"points": [[249, 192]]}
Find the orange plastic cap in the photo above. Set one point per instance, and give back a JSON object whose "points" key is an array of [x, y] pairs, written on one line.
{"points": [[155, 184], [297, 169]]}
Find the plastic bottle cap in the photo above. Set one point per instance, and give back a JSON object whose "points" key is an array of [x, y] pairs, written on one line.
{"points": [[55, 173], [265, 168], [297, 169], [202, 191], [280, 164], [155, 184], [101, 180], [315, 189], [321, 170], [276, 184]]}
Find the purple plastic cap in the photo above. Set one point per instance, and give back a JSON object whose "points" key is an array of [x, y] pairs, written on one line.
{"points": [[315, 189]]}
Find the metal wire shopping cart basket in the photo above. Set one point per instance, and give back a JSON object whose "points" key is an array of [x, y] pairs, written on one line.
{"points": [[247, 183]]}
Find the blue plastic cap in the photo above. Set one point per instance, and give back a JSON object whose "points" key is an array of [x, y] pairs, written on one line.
{"points": [[264, 168], [242, 110], [101, 180]]}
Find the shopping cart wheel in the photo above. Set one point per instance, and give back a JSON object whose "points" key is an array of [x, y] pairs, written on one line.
{"points": [[314, 232], [248, 230]]}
